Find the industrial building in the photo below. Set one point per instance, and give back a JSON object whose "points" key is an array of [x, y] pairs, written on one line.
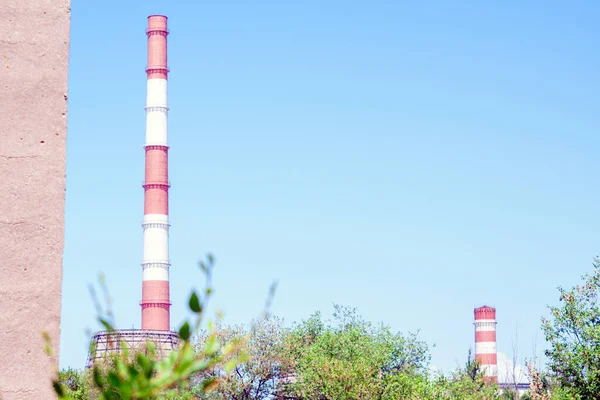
{"points": [[155, 303]]}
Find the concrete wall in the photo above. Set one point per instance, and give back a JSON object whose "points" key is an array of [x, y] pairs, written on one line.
{"points": [[34, 49]]}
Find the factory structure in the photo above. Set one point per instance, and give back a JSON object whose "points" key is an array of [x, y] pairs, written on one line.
{"points": [[155, 303]]}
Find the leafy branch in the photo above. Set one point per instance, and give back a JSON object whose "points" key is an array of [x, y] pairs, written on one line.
{"points": [[141, 375]]}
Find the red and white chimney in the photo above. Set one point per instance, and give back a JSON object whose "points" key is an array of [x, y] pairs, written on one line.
{"points": [[485, 341], [155, 286]]}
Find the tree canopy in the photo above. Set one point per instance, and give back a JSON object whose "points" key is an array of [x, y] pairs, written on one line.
{"points": [[573, 335]]}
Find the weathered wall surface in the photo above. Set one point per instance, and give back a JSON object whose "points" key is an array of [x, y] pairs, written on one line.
{"points": [[34, 49]]}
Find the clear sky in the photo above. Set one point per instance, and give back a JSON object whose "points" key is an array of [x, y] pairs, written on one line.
{"points": [[411, 159]]}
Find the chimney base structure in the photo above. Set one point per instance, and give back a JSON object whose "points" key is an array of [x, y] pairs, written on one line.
{"points": [[485, 342], [155, 301], [107, 343]]}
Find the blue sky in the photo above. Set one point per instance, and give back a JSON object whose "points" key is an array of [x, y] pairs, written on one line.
{"points": [[411, 159]]}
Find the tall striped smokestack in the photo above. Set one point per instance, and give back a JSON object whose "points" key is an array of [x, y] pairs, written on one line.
{"points": [[485, 341], [155, 286]]}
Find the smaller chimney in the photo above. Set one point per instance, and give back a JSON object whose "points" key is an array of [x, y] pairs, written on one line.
{"points": [[485, 341]]}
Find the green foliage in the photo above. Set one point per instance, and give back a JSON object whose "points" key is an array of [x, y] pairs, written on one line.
{"points": [[463, 387], [465, 383], [403, 386], [134, 374], [353, 359], [72, 381], [347, 359], [350, 359], [256, 377], [573, 332]]}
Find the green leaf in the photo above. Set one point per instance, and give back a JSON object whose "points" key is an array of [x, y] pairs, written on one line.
{"points": [[113, 379], [121, 368], [186, 359], [151, 347], [133, 372], [173, 357], [200, 365], [211, 346], [47, 342], [231, 364], [60, 392], [209, 384], [106, 324], [98, 378], [146, 364], [195, 303], [184, 331]]}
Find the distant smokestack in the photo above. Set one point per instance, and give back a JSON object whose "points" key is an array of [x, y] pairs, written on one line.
{"points": [[485, 341], [155, 286]]}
